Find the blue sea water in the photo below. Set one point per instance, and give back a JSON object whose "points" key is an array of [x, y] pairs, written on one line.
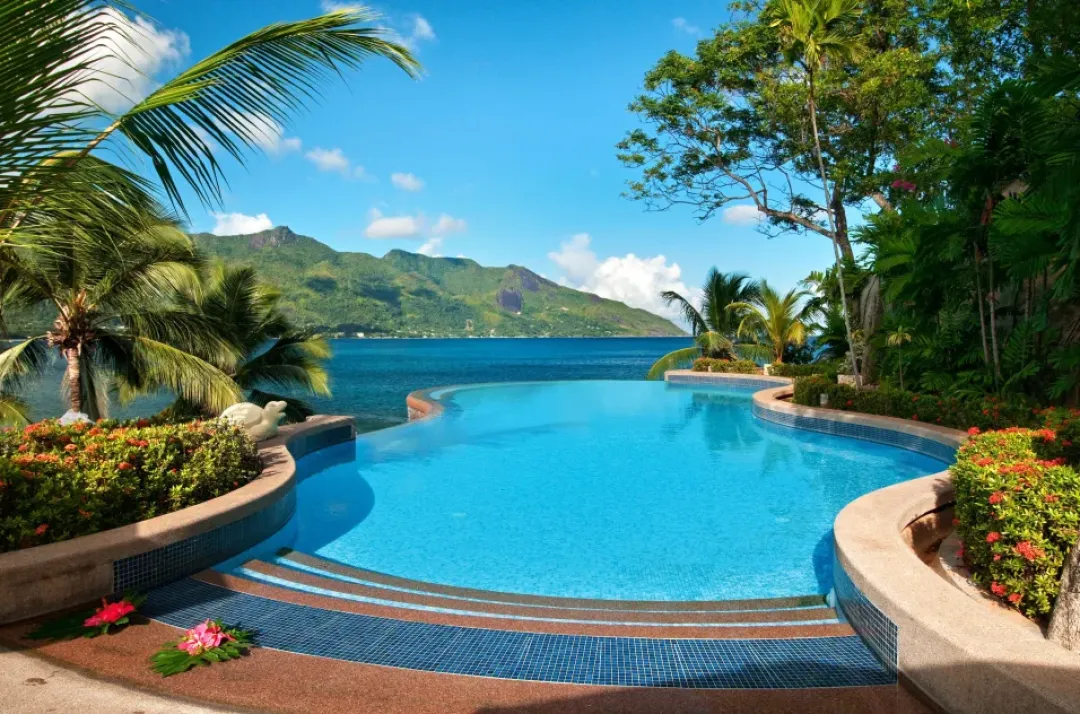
{"points": [[600, 489], [370, 378]]}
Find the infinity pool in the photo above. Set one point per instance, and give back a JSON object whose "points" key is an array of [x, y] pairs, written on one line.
{"points": [[621, 490]]}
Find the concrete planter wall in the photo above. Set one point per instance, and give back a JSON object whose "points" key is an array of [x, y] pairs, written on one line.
{"points": [[142, 555]]}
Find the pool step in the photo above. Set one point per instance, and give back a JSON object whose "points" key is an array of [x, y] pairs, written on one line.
{"points": [[327, 594], [331, 569]]}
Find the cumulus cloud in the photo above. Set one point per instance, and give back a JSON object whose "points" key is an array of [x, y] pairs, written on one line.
{"points": [[415, 228], [682, 25], [635, 281], [122, 64], [743, 214], [421, 29], [234, 224], [406, 182], [334, 160]]}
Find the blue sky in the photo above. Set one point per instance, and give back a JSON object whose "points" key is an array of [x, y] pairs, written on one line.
{"points": [[503, 152]]}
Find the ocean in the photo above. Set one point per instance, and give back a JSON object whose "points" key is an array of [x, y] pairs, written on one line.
{"points": [[370, 378]]}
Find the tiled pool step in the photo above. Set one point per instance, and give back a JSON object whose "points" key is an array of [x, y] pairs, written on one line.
{"points": [[331, 569], [294, 621], [311, 582]]}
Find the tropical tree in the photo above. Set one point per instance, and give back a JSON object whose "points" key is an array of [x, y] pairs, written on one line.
{"points": [[814, 32], [122, 323], [775, 320], [53, 51], [896, 338], [274, 354], [714, 326]]}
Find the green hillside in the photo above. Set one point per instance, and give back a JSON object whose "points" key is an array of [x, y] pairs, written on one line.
{"points": [[408, 294]]}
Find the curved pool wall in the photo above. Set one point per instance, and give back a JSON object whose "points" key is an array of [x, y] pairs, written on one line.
{"points": [[403, 512]]}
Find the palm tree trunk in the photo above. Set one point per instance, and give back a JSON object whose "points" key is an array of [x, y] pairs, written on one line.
{"points": [[900, 353], [73, 376], [832, 229], [982, 315], [992, 299]]}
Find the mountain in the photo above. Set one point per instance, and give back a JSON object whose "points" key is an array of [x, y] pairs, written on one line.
{"points": [[406, 294]]}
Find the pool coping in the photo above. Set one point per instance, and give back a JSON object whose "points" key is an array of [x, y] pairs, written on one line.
{"points": [[42, 579]]}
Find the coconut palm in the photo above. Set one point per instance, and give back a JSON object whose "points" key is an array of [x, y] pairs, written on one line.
{"points": [[274, 354], [123, 321], [775, 320], [714, 325], [53, 51], [812, 33]]}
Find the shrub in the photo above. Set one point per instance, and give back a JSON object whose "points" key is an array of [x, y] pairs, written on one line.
{"points": [[739, 366], [1018, 514], [827, 369], [59, 482], [955, 412]]}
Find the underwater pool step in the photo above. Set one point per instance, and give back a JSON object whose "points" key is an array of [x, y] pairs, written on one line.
{"points": [[335, 570], [252, 583]]}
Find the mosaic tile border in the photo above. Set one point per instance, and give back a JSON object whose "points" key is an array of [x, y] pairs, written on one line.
{"points": [[190, 555], [875, 628], [928, 447], [726, 380], [813, 662]]}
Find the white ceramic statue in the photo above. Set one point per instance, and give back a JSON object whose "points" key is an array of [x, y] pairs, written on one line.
{"points": [[259, 422]]}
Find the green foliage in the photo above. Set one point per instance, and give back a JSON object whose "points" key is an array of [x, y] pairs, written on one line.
{"points": [[775, 320], [60, 482], [984, 412], [1018, 513], [739, 366], [828, 369]]}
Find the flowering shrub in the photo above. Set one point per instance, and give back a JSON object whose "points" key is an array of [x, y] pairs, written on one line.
{"points": [[58, 482], [955, 412], [738, 366], [1018, 513], [204, 644]]}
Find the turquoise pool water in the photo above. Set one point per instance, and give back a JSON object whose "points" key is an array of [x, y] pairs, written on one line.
{"points": [[603, 489]]}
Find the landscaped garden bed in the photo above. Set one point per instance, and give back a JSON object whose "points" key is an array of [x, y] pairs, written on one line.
{"points": [[60, 482]]}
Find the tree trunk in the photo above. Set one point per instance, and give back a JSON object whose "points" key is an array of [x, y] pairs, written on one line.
{"points": [[992, 299], [73, 375], [900, 354], [840, 216], [1065, 621], [832, 228], [982, 311]]}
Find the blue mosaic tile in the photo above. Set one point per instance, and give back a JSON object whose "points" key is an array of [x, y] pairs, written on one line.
{"points": [[578, 659], [945, 453], [714, 378], [876, 629]]}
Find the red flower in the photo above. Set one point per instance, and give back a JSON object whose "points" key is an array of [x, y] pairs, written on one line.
{"points": [[985, 461], [905, 185], [997, 557], [40, 530], [915, 417], [24, 447], [1050, 498], [109, 614], [1030, 552], [973, 431], [993, 537], [996, 497], [123, 466], [1015, 598], [142, 422], [71, 447], [998, 589]]}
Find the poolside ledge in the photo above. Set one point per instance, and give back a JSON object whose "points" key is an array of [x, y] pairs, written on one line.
{"points": [[35, 581]]}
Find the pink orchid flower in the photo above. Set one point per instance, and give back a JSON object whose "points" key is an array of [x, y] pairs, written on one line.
{"points": [[204, 636]]}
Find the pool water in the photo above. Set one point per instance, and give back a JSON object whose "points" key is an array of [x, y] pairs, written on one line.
{"points": [[619, 490]]}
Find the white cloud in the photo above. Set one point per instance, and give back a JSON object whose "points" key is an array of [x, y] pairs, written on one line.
{"points": [[331, 6], [124, 59], [743, 214], [233, 224], [682, 25], [635, 281], [422, 29], [431, 247], [447, 224], [406, 182], [331, 160]]}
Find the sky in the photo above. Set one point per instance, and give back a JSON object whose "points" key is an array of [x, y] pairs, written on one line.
{"points": [[503, 151]]}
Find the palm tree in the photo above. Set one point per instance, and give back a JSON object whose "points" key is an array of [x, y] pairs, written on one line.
{"points": [[896, 338], [714, 326], [274, 354], [53, 50], [813, 32], [775, 320], [121, 297]]}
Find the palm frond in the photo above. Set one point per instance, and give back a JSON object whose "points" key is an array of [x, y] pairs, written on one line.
{"points": [[21, 362], [673, 360]]}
